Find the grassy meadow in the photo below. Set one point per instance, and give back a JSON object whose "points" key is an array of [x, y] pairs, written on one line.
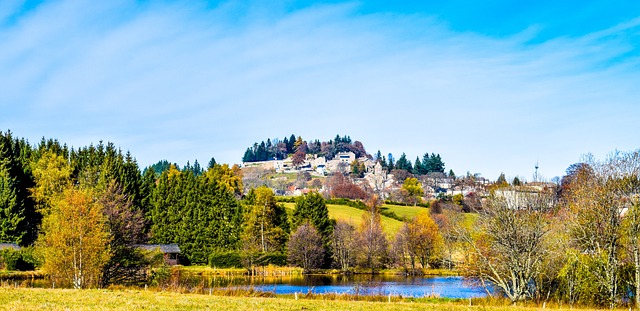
{"points": [[128, 299], [354, 216]]}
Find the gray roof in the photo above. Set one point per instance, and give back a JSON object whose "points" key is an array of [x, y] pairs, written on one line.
{"points": [[9, 245], [164, 248]]}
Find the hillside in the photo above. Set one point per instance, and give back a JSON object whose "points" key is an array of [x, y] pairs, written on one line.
{"points": [[354, 216]]}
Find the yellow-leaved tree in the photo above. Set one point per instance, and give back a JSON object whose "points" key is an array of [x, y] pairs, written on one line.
{"points": [[75, 240]]}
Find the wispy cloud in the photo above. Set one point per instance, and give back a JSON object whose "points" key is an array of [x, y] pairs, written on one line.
{"points": [[182, 81]]}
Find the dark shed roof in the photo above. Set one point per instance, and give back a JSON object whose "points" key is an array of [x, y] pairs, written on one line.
{"points": [[164, 248], [9, 246]]}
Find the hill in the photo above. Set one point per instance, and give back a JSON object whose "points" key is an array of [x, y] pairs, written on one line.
{"points": [[354, 216]]}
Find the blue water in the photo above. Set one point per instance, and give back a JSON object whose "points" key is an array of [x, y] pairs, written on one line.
{"points": [[444, 287]]}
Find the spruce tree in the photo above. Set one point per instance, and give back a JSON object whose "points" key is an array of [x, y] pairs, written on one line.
{"points": [[417, 167], [312, 208], [18, 219]]}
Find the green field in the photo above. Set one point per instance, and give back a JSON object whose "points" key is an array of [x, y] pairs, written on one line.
{"points": [[407, 212], [354, 216], [126, 299]]}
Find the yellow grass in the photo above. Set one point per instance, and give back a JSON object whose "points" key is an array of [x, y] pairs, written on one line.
{"points": [[128, 299]]}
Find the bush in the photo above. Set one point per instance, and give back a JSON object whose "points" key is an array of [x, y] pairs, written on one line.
{"points": [[276, 259], [225, 259], [18, 260]]}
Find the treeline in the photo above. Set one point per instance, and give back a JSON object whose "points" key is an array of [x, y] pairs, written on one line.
{"points": [[429, 164], [94, 204], [578, 243], [281, 149]]}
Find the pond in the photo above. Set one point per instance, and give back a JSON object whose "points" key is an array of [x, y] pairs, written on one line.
{"points": [[359, 284], [437, 286]]}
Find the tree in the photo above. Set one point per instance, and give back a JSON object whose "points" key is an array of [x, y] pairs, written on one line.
{"points": [[403, 163], [424, 239], [419, 240], [501, 181], [266, 226], [231, 178], [343, 244], [516, 181], [18, 218], [306, 248], [371, 240], [418, 169], [510, 248], [413, 190], [341, 186], [75, 240], [11, 213], [52, 175], [602, 197], [212, 163], [298, 158], [126, 228], [312, 208]]}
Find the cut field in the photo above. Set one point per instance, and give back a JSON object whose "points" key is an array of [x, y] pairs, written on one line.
{"points": [[100, 299]]}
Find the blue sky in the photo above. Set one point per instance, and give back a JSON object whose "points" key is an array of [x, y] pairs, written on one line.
{"points": [[493, 86]]}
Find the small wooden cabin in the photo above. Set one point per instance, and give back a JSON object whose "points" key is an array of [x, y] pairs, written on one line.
{"points": [[12, 246], [170, 251]]}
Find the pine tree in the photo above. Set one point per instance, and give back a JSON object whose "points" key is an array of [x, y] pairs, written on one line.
{"points": [[403, 163], [212, 163], [312, 207], [11, 211], [417, 167], [19, 220]]}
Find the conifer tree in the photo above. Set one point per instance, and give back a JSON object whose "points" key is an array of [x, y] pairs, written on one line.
{"points": [[312, 208]]}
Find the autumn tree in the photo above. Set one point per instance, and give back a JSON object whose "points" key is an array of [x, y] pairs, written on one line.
{"points": [[371, 239], [126, 226], [298, 158], [340, 186], [230, 177], [423, 238], [52, 175], [413, 190], [343, 244], [602, 197], [75, 239], [306, 248], [510, 247], [266, 226]]}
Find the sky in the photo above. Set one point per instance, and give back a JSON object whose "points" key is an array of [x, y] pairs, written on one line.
{"points": [[492, 86]]}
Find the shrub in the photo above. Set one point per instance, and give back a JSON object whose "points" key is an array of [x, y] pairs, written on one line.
{"points": [[275, 258], [18, 260], [225, 259]]}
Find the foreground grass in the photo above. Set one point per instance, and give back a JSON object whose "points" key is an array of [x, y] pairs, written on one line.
{"points": [[68, 299]]}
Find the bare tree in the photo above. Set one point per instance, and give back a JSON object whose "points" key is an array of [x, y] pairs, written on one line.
{"points": [[305, 248], [371, 239], [603, 198], [343, 243], [510, 248]]}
